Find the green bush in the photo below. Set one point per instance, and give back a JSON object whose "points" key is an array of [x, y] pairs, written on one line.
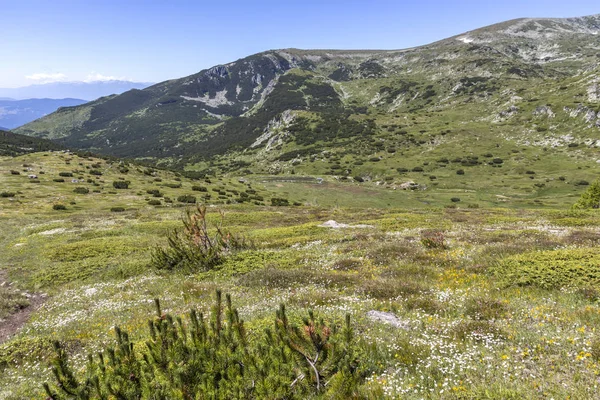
{"points": [[81, 190], [154, 192], [59, 180], [551, 269], [7, 194], [276, 201], [217, 358], [117, 209], [121, 184], [154, 202], [194, 247], [65, 174], [199, 188], [590, 198], [433, 239], [59, 207], [186, 198]]}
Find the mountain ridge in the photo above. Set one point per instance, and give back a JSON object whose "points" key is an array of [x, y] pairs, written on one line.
{"points": [[75, 89], [261, 108], [14, 113]]}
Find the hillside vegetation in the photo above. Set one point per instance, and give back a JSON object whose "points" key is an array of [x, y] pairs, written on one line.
{"points": [[12, 144], [408, 224], [444, 302]]}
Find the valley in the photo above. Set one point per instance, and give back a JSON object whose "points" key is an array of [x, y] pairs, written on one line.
{"points": [[403, 224]]}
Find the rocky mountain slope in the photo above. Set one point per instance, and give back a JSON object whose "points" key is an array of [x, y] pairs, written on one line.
{"points": [[526, 82]]}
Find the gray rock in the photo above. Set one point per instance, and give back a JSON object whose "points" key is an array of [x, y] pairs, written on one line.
{"points": [[388, 318]]}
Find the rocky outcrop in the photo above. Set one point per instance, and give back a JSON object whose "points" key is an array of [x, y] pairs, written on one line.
{"points": [[544, 111], [276, 130]]}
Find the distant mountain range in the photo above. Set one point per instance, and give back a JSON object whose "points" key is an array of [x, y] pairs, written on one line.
{"points": [[530, 83], [76, 90], [14, 113]]}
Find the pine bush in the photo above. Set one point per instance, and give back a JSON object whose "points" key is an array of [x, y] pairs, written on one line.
{"points": [[196, 246], [121, 184], [590, 198], [216, 358]]}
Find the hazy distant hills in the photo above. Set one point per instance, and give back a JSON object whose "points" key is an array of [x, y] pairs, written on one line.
{"points": [[14, 113], [76, 90], [526, 82]]}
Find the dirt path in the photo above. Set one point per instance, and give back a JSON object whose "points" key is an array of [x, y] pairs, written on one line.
{"points": [[11, 324]]}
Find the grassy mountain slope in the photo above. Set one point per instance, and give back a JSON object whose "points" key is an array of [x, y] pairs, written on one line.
{"points": [[12, 144]]}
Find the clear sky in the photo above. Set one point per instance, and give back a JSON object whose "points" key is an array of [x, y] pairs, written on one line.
{"points": [[156, 40]]}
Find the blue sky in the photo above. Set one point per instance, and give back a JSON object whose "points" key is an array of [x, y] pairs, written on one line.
{"points": [[43, 40]]}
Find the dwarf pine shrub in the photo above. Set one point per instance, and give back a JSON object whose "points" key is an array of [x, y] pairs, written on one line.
{"points": [[433, 239], [121, 184], [216, 358], [81, 190], [590, 198], [186, 198], [196, 246]]}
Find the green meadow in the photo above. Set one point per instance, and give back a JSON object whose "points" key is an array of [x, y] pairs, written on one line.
{"points": [[484, 297]]}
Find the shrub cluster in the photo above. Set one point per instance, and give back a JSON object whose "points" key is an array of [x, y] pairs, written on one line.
{"points": [[121, 184], [196, 247], [218, 359]]}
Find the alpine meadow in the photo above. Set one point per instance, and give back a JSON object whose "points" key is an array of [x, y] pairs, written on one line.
{"points": [[315, 224]]}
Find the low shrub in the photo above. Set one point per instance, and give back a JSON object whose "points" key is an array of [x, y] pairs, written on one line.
{"points": [[121, 184], [154, 192], [7, 194], [65, 174], [154, 202], [187, 198], [276, 201], [590, 198], [551, 269], [433, 239], [81, 190], [215, 357], [194, 248], [59, 207], [117, 209]]}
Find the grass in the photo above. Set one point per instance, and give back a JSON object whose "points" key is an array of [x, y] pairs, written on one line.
{"points": [[470, 330]]}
